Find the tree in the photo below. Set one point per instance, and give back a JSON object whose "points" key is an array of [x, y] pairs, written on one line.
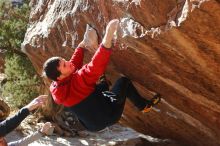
{"points": [[13, 22], [23, 83]]}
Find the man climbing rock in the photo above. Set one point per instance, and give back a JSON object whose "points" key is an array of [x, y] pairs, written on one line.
{"points": [[75, 85]]}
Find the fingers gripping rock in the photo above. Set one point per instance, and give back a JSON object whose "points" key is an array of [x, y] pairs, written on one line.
{"points": [[90, 38]]}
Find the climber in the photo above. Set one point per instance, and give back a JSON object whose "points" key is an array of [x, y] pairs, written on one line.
{"points": [[74, 85]]}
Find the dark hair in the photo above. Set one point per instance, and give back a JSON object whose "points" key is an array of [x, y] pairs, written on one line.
{"points": [[50, 68]]}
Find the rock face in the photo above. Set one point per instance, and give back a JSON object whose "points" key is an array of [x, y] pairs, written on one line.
{"points": [[170, 47]]}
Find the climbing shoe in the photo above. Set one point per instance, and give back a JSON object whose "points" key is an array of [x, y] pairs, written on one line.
{"points": [[154, 101]]}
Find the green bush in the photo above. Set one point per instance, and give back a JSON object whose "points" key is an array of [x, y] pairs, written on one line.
{"points": [[13, 22], [23, 83]]}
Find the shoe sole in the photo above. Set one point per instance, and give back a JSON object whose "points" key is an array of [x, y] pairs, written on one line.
{"points": [[156, 99]]}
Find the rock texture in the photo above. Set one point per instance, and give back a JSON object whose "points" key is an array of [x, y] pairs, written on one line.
{"points": [[170, 47]]}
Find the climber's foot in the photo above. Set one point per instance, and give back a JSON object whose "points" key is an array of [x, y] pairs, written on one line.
{"points": [[154, 101]]}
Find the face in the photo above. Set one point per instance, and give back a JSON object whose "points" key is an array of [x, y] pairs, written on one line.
{"points": [[66, 68]]}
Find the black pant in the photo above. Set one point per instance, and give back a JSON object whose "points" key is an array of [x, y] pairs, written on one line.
{"points": [[124, 88], [103, 108]]}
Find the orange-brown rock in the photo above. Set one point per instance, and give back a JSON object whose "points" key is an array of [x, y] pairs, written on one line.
{"points": [[170, 47]]}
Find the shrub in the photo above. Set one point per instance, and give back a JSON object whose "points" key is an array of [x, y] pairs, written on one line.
{"points": [[13, 22], [23, 83]]}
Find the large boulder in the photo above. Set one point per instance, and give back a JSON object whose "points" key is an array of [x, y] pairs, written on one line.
{"points": [[170, 47]]}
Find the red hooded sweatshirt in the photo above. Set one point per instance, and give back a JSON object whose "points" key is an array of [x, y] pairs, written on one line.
{"points": [[81, 83]]}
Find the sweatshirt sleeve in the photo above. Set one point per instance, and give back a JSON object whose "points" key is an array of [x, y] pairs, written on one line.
{"points": [[26, 140], [91, 72], [77, 58], [11, 123]]}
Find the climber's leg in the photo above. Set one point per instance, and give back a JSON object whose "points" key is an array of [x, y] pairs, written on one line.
{"points": [[124, 88]]}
